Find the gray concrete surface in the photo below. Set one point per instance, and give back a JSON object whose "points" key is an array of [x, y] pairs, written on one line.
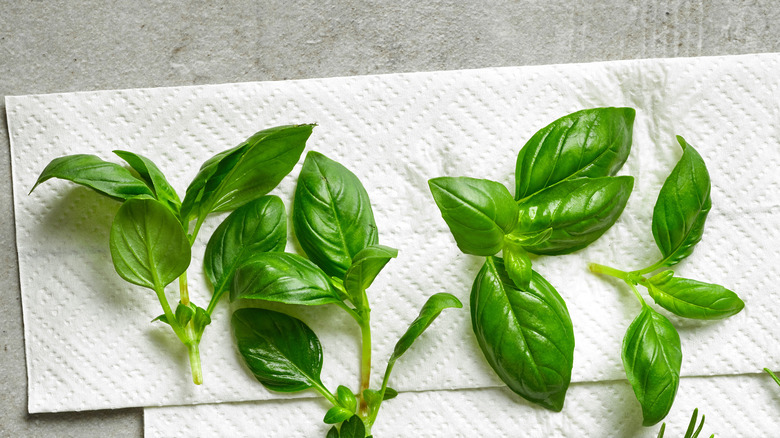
{"points": [[53, 46]]}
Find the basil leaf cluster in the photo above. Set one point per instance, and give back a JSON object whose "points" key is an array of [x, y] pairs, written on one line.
{"points": [[566, 196], [652, 353], [150, 239], [334, 224]]}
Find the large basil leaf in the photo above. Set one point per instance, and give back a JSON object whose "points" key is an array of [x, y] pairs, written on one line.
{"points": [[479, 212], [106, 178], [148, 244], [234, 177], [578, 211], [282, 277], [682, 206], [365, 267], [693, 299], [153, 177], [429, 312], [588, 143], [259, 226], [652, 357], [332, 214], [282, 352], [525, 335]]}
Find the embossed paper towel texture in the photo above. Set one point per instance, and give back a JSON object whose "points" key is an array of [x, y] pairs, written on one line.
{"points": [[744, 405], [88, 338]]}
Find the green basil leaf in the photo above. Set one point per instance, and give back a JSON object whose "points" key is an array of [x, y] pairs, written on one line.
{"points": [[153, 177], [347, 398], [282, 352], [579, 211], [106, 178], [353, 428], [390, 393], [259, 226], [479, 212], [332, 433], [148, 244], [373, 399], [588, 143], [652, 357], [282, 277], [162, 318], [199, 321], [184, 313], [682, 206], [366, 265], [332, 214], [337, 414], [429, 312], [693, 299], [525, 335], [234, 177], [518, 265]]}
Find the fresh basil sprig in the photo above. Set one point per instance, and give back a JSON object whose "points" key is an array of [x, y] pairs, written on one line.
{"points": [[692, 431], [334, 224], [150, 241], [566, 197], [652, 354]]}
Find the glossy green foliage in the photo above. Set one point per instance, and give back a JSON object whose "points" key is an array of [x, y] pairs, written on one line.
{"points": [[346, 398], [154, 179], [517, 264], [479, 212], [234, 177], [148, 244], [353, 428], [430, 310], [578, 211], [337, 414], [257, 227], [589, 143], [281, 351], [366, 265], [652, 357], [282, 277], [525, 335], [682, 206], [332, 214], [692, 298], [106, 178]]}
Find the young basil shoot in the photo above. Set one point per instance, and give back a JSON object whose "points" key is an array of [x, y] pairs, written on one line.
{"points": [[150, 238], [566, 197], [774, 377], [334, 224], [692, 431], [651, 348]]}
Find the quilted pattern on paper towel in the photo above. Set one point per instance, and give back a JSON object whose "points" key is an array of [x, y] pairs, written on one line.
{"points": [[89, 342]]}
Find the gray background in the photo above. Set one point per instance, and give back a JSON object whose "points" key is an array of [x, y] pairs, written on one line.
{"points": [[48, 47]]}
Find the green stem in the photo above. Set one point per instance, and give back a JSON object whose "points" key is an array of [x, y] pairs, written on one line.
{"points": [[325, 393], [194, 354], [198, 224], [636, 293], [602, 269], [385, 380], [365, 366], [184, 293], [774, 377], [652, 268]]}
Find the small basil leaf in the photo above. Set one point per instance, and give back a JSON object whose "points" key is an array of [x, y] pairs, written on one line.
{"points": [[588, 143], [430, 310], [366, 265], [652, 357], [148, 244], [682, 206], [693, 299], [332, 214], [282, 277], [153, 177], [234, 177], [353, 428], [479, 212], [347, 398], [282, 352], [525, 335], [373, 400], [162, 318], [518, 265], [184, 314], [390, 393], [106, 178], [578, 211], [332, 433], [530, 239], [337, 414], [200, 321], [259, 226]]}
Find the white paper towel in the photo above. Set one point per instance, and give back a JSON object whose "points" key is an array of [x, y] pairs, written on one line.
{"points": [[734, 406], [89, 342]]}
